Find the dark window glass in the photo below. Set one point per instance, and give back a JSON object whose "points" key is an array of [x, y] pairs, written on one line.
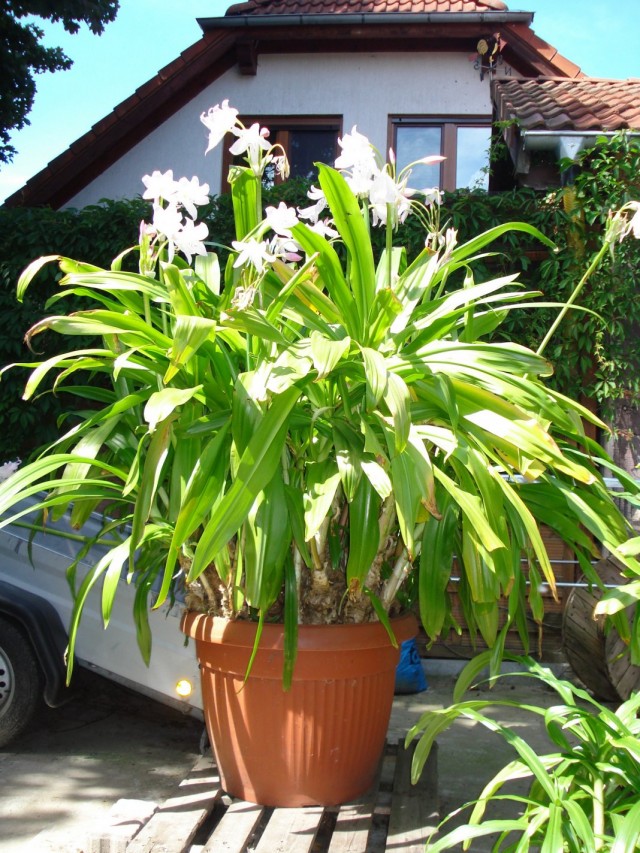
{"points": [[308, 146]]}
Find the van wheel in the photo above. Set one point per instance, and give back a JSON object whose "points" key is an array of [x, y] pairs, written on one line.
{"points": [[20, 682]]}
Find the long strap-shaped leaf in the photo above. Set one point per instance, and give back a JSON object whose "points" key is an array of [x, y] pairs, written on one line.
{"points": [[151, 476], [482, 240], [364, 531], [257, 466], [203, 491], [353, 230], [331, 276]]}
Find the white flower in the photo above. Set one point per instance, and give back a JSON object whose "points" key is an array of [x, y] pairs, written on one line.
{"points": [[255, 252], [323, 228], [431, 160], [385, 191], [191, 194], [432, 195], [242, 298], [282, 166], [181, 233], [281, 219], [160, 185], [285, 248], [167, 220], [219, 120], [252, 140], [356, 151], [147, 231], [7, 469], [358, 160], [189, 239], [314, 210]]}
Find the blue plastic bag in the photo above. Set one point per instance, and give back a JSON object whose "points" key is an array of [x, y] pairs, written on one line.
{"points": [[410, 677]]}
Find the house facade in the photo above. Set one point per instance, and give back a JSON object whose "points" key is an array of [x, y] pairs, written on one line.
{"points": [[414, 75]]}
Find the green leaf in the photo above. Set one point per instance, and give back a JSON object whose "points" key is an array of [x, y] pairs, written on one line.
{"points": [[469, 674], [398, 399], [290, 622], [155, 458], [117, 557], [331, 276], [475, 244], [348, 453], [182, 301], [295, 507], [99, 322], [207, 267], [323, 479], [189, 334], [436, 563], [141, 618], [364, 531], [245, 195], [628, 832], [162, 404], [203, 492], [326, 353], [43, 368], [266, 543], [471, 506], [377, 476], [375, 369], [256, 468], [27, 276], [467, 833], [89, 581], [351, 226]]}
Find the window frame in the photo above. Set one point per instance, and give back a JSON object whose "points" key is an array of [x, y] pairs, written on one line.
{"points": [[449, 125], [280, 127]]}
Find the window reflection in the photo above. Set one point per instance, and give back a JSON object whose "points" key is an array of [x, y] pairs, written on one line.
{"points": [[414, 143], [472, 157]]}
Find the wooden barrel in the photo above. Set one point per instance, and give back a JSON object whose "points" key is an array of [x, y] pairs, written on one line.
{"points": [[598, 657]]}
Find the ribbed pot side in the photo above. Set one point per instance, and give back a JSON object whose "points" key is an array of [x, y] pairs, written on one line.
{"points": [[318, 743]]}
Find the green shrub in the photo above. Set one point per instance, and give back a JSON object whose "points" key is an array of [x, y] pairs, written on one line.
{"points": [[595, 354]]}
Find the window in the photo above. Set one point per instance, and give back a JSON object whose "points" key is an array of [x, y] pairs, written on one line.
{"points": [[464, 143], [305, 139]]}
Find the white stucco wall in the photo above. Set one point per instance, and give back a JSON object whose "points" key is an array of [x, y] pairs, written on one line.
{"points": [[364, 88]]}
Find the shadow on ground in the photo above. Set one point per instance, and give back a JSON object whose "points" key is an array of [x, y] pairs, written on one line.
{"points": [[59, 781]]}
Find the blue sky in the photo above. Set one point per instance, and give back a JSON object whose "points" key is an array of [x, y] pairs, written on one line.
{"points": [[601, 36]]}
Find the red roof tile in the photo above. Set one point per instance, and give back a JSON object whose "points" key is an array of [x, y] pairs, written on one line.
{"points": [[361, 7], [560, 104], [523, 40]]}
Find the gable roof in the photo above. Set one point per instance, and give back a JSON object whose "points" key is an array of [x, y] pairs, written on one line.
{"points": [[283, 26], [557, 104]]}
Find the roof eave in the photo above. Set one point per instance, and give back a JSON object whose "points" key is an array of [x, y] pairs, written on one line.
{"points": [[363, 19]]}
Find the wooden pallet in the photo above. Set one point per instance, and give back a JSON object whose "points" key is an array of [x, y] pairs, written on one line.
{"points": [[393, 816]]}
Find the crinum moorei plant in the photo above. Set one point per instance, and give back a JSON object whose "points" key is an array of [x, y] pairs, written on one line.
{"points": [[292, 436]]}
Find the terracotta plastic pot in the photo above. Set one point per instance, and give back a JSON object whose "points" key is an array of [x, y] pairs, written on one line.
{"points": [[318, 743]]}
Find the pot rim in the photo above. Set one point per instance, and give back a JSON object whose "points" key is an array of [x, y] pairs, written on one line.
{"points": [[217, 629]]}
